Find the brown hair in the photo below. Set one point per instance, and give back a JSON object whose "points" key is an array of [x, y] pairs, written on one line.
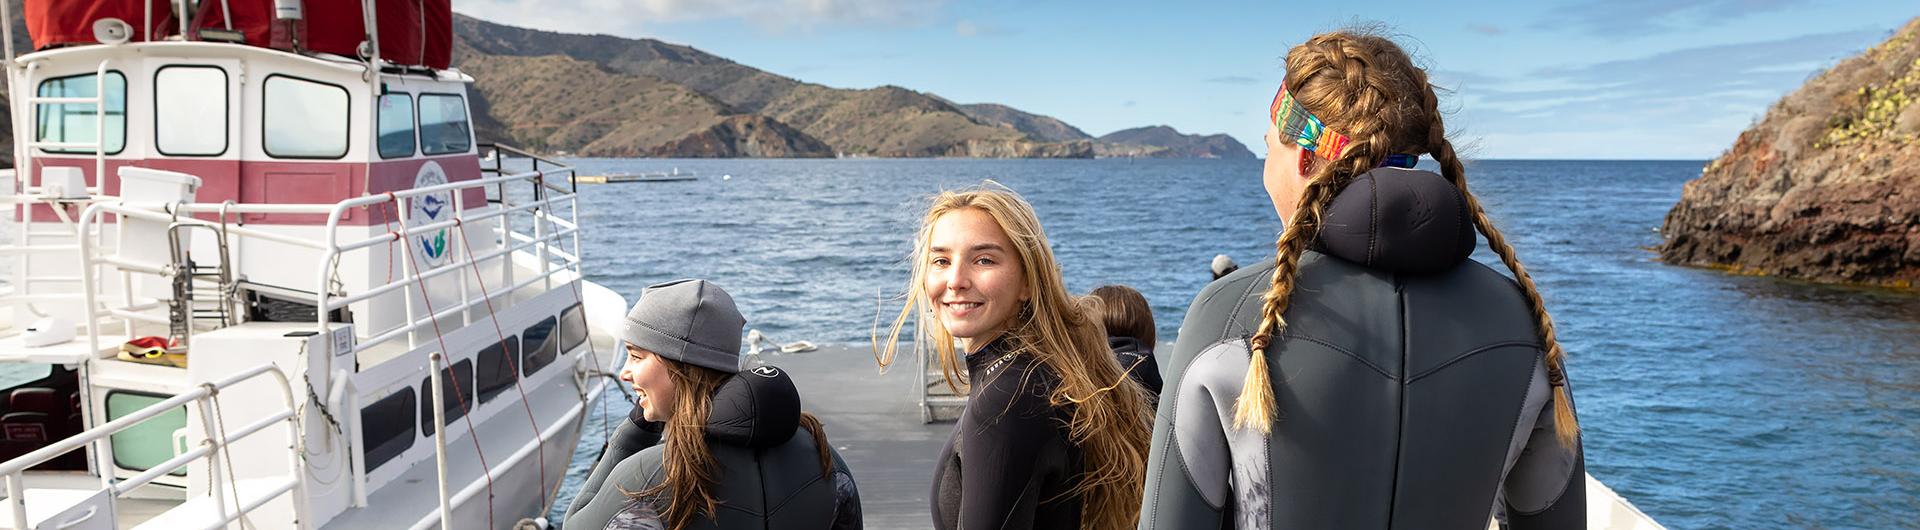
{"points": [[690, 466], [1109, 420], [1125, 312], [1365, 86]]}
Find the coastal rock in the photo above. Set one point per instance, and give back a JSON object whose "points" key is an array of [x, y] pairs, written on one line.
{"points": [[1826, 187]]}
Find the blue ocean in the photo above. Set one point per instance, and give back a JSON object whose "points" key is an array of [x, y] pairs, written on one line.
{"points": [[1709, 400]]}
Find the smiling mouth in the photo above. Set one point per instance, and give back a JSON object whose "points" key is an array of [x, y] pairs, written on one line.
{"points": [[961, 308]]}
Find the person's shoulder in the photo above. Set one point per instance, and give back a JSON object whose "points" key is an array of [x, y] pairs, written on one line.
{"points": [[1220, 367], [1019, 389], [1238, 282]]}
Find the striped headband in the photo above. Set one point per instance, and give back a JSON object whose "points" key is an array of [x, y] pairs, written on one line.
{"points": [[1310, 134], [1304, 128]]}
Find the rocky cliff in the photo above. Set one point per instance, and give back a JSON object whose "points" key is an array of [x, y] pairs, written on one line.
{"points": [[1826, 187]]}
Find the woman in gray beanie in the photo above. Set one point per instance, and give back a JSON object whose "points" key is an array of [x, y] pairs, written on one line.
{"points": [[731, 455]]}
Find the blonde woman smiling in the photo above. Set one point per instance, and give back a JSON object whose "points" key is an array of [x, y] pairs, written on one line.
{"points": [[1054, 434]]}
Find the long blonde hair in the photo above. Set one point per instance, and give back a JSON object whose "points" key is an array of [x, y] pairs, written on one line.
{"points": [[1366, 87], [1110, 422]]}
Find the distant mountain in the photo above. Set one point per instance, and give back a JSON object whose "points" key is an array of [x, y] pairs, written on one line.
{"points": [[886, 121], [561, 103], [1161, 141], [1038, 127]]}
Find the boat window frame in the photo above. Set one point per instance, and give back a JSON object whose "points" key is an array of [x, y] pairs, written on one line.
{"points": [[38, 132], [226, 111], [346, 146], [374, 453], [574, 314], [106, 407], [413, 117], [489, 389], [419, 125], [550, 343], [453, 384]]}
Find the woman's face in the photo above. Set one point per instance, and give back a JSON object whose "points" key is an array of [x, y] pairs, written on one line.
{"points": [[974, 280], [647, 374], [1282, 176]]}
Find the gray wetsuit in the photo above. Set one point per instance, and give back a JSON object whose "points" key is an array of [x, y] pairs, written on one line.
{"points": [[1409, 382]]}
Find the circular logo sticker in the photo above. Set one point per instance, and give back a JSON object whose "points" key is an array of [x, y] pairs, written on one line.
{"points": [[766, 371], [430, 208]]}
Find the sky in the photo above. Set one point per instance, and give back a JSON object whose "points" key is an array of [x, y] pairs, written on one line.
{"points": [[1580, 79]]}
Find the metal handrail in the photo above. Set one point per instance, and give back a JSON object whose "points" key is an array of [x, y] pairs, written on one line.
{"points": [[201, 396]]}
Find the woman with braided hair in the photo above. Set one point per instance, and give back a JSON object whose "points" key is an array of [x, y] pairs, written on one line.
{"points": [[1371, 375]]}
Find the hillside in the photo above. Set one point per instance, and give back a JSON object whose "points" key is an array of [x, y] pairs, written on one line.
{"points": [[1161, 141], [885, 121], [562, 103], [1826, 187]]}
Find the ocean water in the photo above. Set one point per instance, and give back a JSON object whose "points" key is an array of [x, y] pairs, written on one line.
{"points": [[1709, 400]]}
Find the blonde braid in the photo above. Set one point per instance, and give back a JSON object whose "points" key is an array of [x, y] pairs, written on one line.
{"points": [[1370, 142]]}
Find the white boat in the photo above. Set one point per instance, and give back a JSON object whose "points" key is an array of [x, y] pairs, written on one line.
{"points": [[370, 326]]}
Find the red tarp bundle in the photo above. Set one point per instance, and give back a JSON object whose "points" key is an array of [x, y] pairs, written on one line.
{"points": [[412, 32], [56, 22], [416, 32]]}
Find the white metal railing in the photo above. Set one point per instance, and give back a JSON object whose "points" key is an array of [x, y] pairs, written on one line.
{"points": [[541, 208], [330, 295], [213, 450], [26, 193]]}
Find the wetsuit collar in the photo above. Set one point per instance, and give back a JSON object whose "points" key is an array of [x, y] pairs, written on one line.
{"points": [[1399, 220], [756, 408]]}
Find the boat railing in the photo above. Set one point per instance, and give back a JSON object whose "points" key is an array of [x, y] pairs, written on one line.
{"points": [[214, 450], [550, 230], [31, 190]]}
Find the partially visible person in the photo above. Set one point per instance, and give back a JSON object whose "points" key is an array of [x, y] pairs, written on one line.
{"points": [[1223, 265], [1129, 322], [1372, 375], [1054, 435], [738, 452]]}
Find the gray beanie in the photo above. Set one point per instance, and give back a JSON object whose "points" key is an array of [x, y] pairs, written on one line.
{"points": [[691, 321]]}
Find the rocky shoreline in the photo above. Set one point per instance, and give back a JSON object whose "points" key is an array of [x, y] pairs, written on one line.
{"points": [[1826, 187]]}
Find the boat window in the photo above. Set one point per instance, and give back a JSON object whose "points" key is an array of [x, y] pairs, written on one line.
{"points": [[456, 390], [573, 328], [74, 122], [21, 374], [386, 427], [304, 119], [396, 125], [150, 442], [185, 100], [496, 368], [443, 125], [541, 348]]}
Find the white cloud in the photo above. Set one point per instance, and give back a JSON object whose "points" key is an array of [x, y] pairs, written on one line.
{"points": [[624, 17]]}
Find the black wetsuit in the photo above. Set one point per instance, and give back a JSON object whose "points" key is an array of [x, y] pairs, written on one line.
{"points": [[1410, 386], [1008, 464], [769, 475], [1137, 359]]}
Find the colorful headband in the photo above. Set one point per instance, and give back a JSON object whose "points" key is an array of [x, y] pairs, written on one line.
{"points": [[1310, 134], [1295, 122]]}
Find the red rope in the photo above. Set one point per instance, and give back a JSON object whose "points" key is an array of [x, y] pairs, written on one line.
{"points": [[540, 188], [467, 414], [495, 317]]}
